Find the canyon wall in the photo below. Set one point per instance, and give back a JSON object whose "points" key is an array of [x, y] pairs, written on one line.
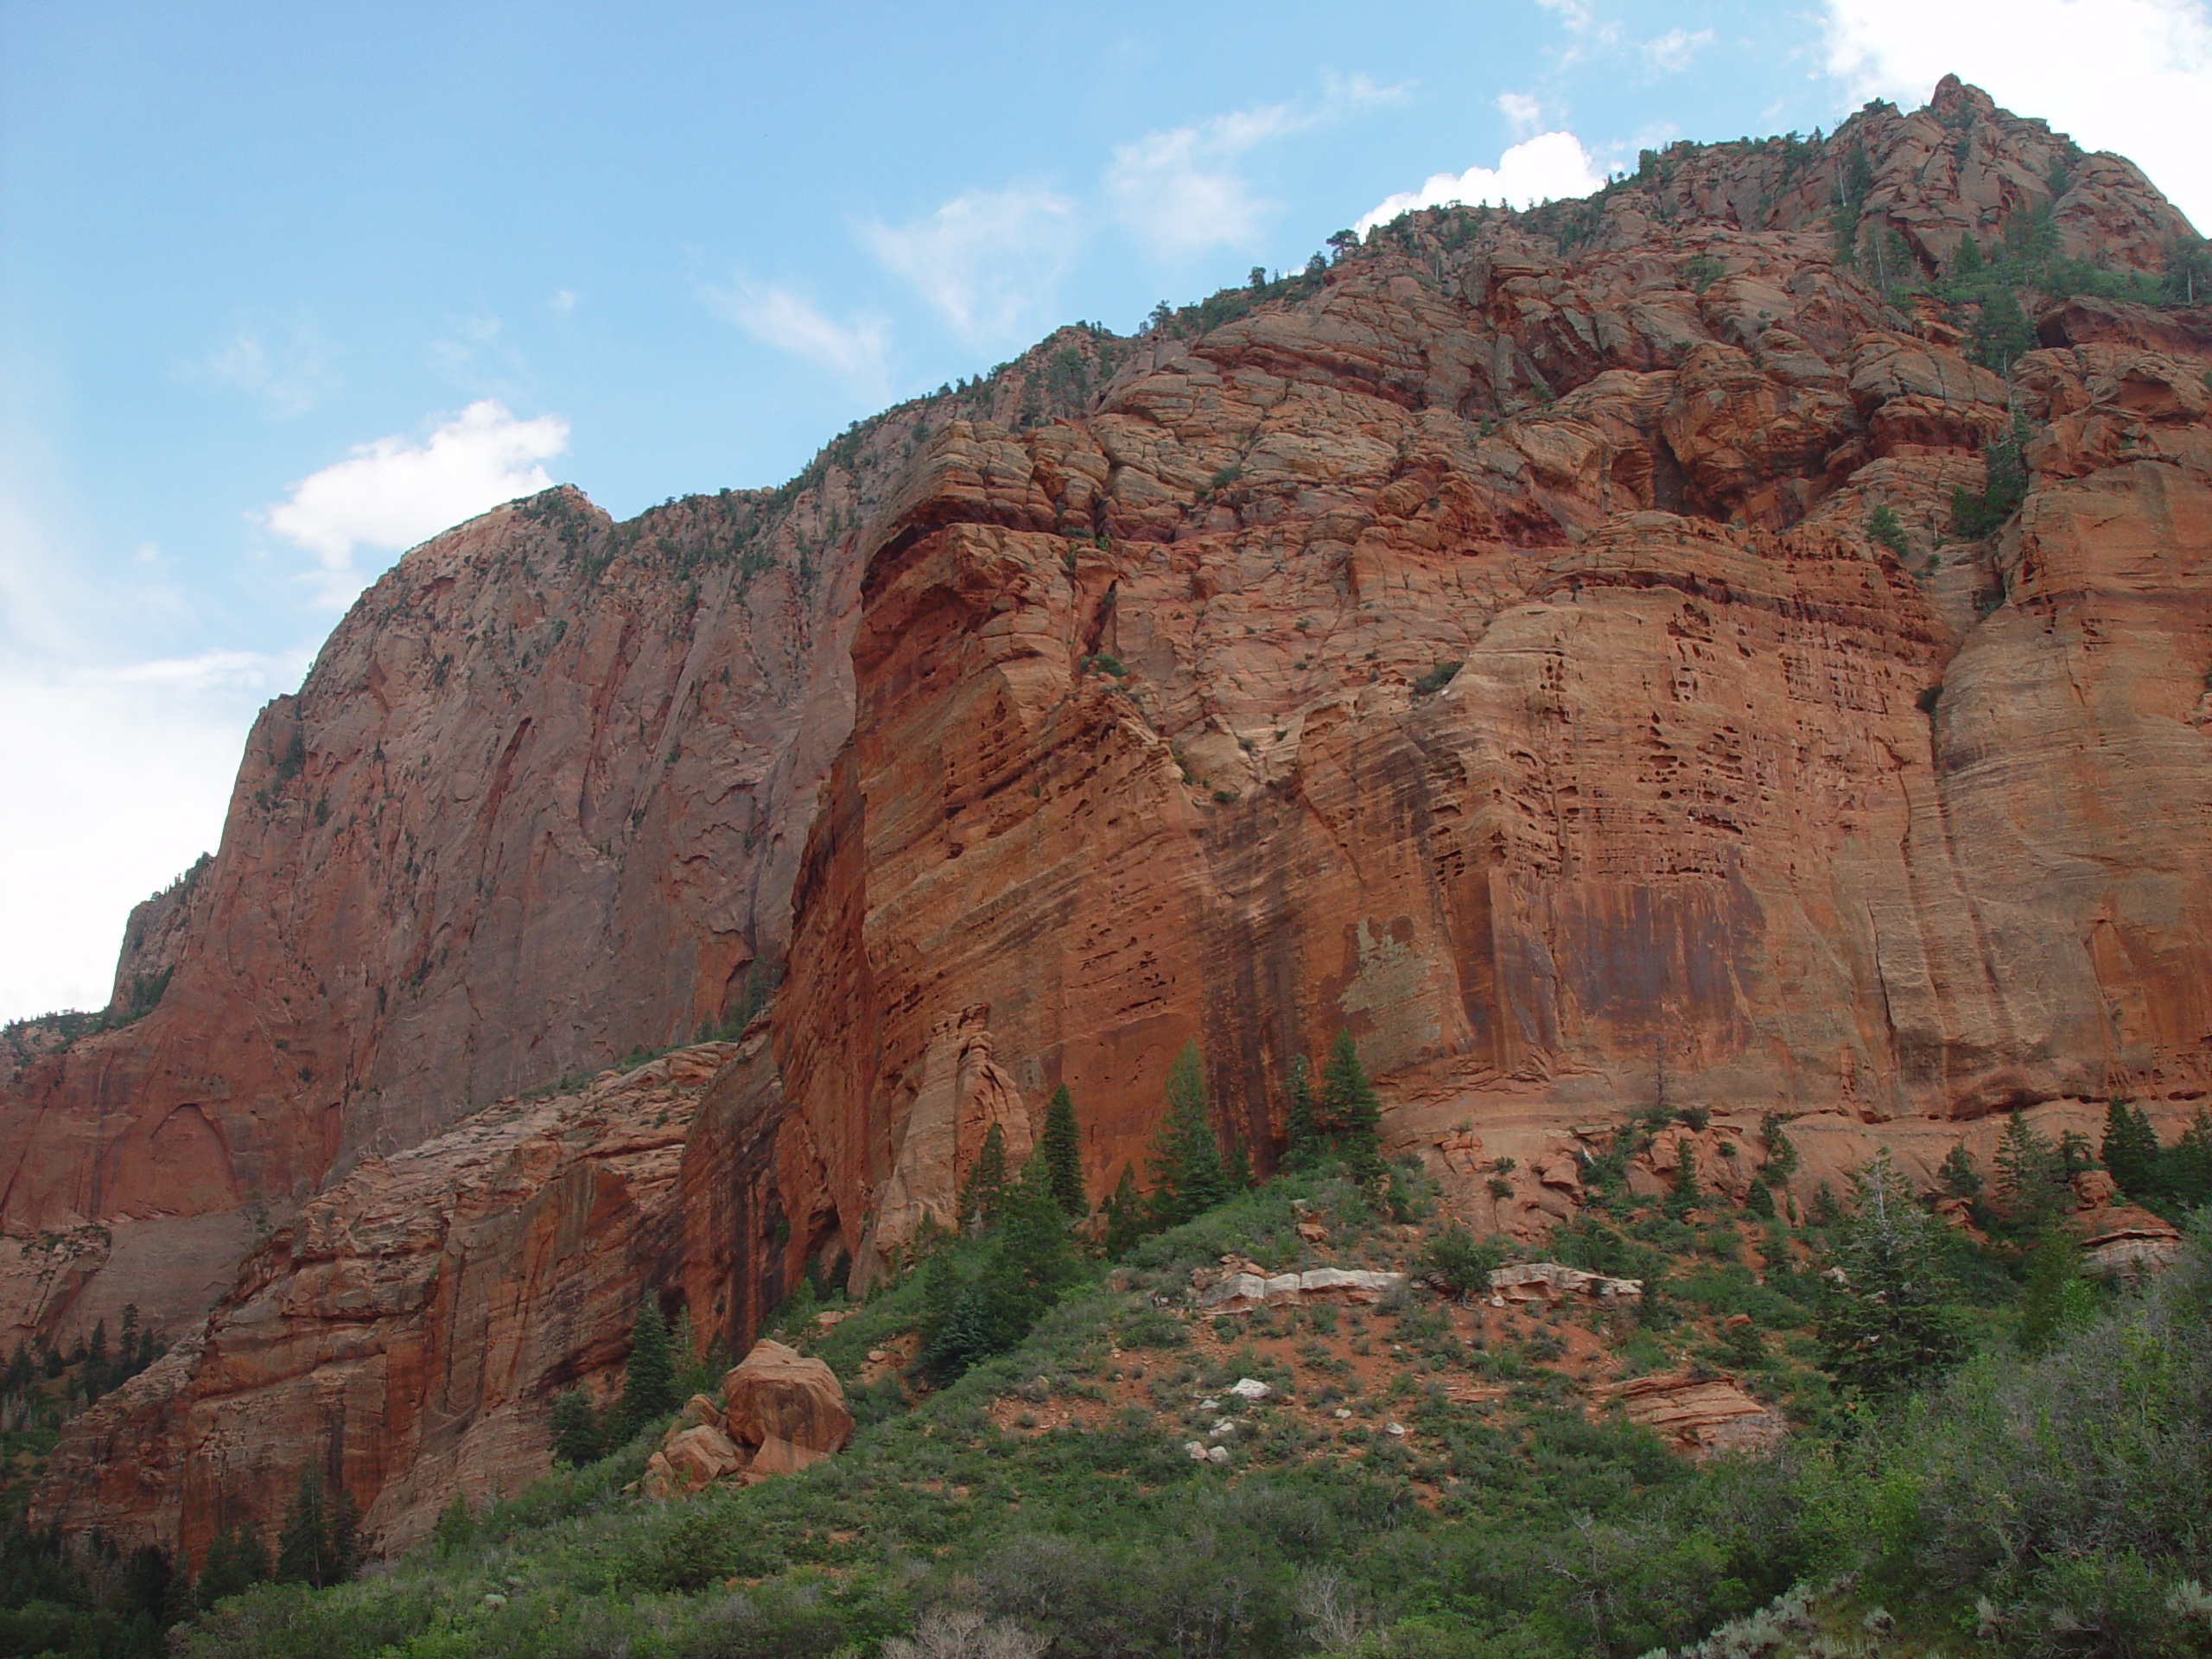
{"points": [[540, 802], [1493, 645], [1159, 735]]}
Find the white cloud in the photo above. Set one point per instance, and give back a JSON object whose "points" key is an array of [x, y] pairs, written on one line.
{"points": [[776, 316], [562, 302], [290, 374], [1525, 114], [1179, 189], [1543, 169], [392, 494], [987, 259], [2133, 76], [121, 769]]}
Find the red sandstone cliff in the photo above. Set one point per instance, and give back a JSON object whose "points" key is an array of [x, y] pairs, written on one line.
{"points": [[540, 802], [1724, 798], [1725, 801]]}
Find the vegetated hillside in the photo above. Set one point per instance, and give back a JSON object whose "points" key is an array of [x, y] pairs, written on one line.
{"points": [[1443, 1471], [1734, 647]]}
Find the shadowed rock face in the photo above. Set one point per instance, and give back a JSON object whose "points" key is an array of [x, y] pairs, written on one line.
{"points": [[1047, 747]]}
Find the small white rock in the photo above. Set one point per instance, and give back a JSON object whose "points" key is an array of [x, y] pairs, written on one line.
{"points": [[1209, 1405], [877, 1355], [1394, 1429], [1343, 1415], [1197, 1450], [1224, 1426], [1250, 1388], [1219, 1454]]}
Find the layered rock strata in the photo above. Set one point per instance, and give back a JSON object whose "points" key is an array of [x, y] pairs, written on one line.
{"points": [[1489, 652], [404, 1332], [539, 802]]}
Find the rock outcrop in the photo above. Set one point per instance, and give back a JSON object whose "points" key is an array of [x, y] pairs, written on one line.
{"points": [[780, 1412], [1700, 1414], [406, 1329]]}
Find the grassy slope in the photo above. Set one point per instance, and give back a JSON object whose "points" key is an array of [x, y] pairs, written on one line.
{"points": [[1051, 1486]]}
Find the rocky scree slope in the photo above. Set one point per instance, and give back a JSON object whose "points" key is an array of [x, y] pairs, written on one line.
{"points": [[1156, 734]]}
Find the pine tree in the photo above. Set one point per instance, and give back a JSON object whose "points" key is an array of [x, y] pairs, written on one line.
{"points": [[236, 1559], [456, 1527], [1957, 1175], [1187, 1172], [1350, 1115], [1124, 1216], [1300, 1138], [1236, 1168], [983, 1190], [318, 1545], [575, 1430], [1894, 1320], [649, 1379], [2001, 333], [2187, 1163], [2131, 1150], [2027, 1173], [1688, 1192], [1063, 1149], [2053, 1293]]}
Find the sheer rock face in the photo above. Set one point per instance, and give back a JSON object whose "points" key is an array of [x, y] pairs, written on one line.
{"points": [[1725, 802], [539, 802], [405, 1329]]}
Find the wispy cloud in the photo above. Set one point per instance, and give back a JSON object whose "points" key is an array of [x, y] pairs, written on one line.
{"points": [[2133, 76], [1543, 169], [859, 350], [987, 259], [289, 371], [1671, 54], [1524, 114], [1181, 190], [394, 492]]}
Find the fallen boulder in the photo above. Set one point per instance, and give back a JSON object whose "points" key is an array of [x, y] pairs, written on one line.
{"points": [[1701, 1414], [790, 1408], [691, 1458]]}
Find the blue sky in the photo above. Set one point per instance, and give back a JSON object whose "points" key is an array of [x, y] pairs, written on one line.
{"points": [[285, 287]]}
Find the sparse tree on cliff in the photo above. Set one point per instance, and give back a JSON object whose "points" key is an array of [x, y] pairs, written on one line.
{"points": [[1187, 1172], [1350, 1115], [318, 1545], [577, 1439], [1063, 1150], [649, 1381], [1300, 1137], [984, 1189]]}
